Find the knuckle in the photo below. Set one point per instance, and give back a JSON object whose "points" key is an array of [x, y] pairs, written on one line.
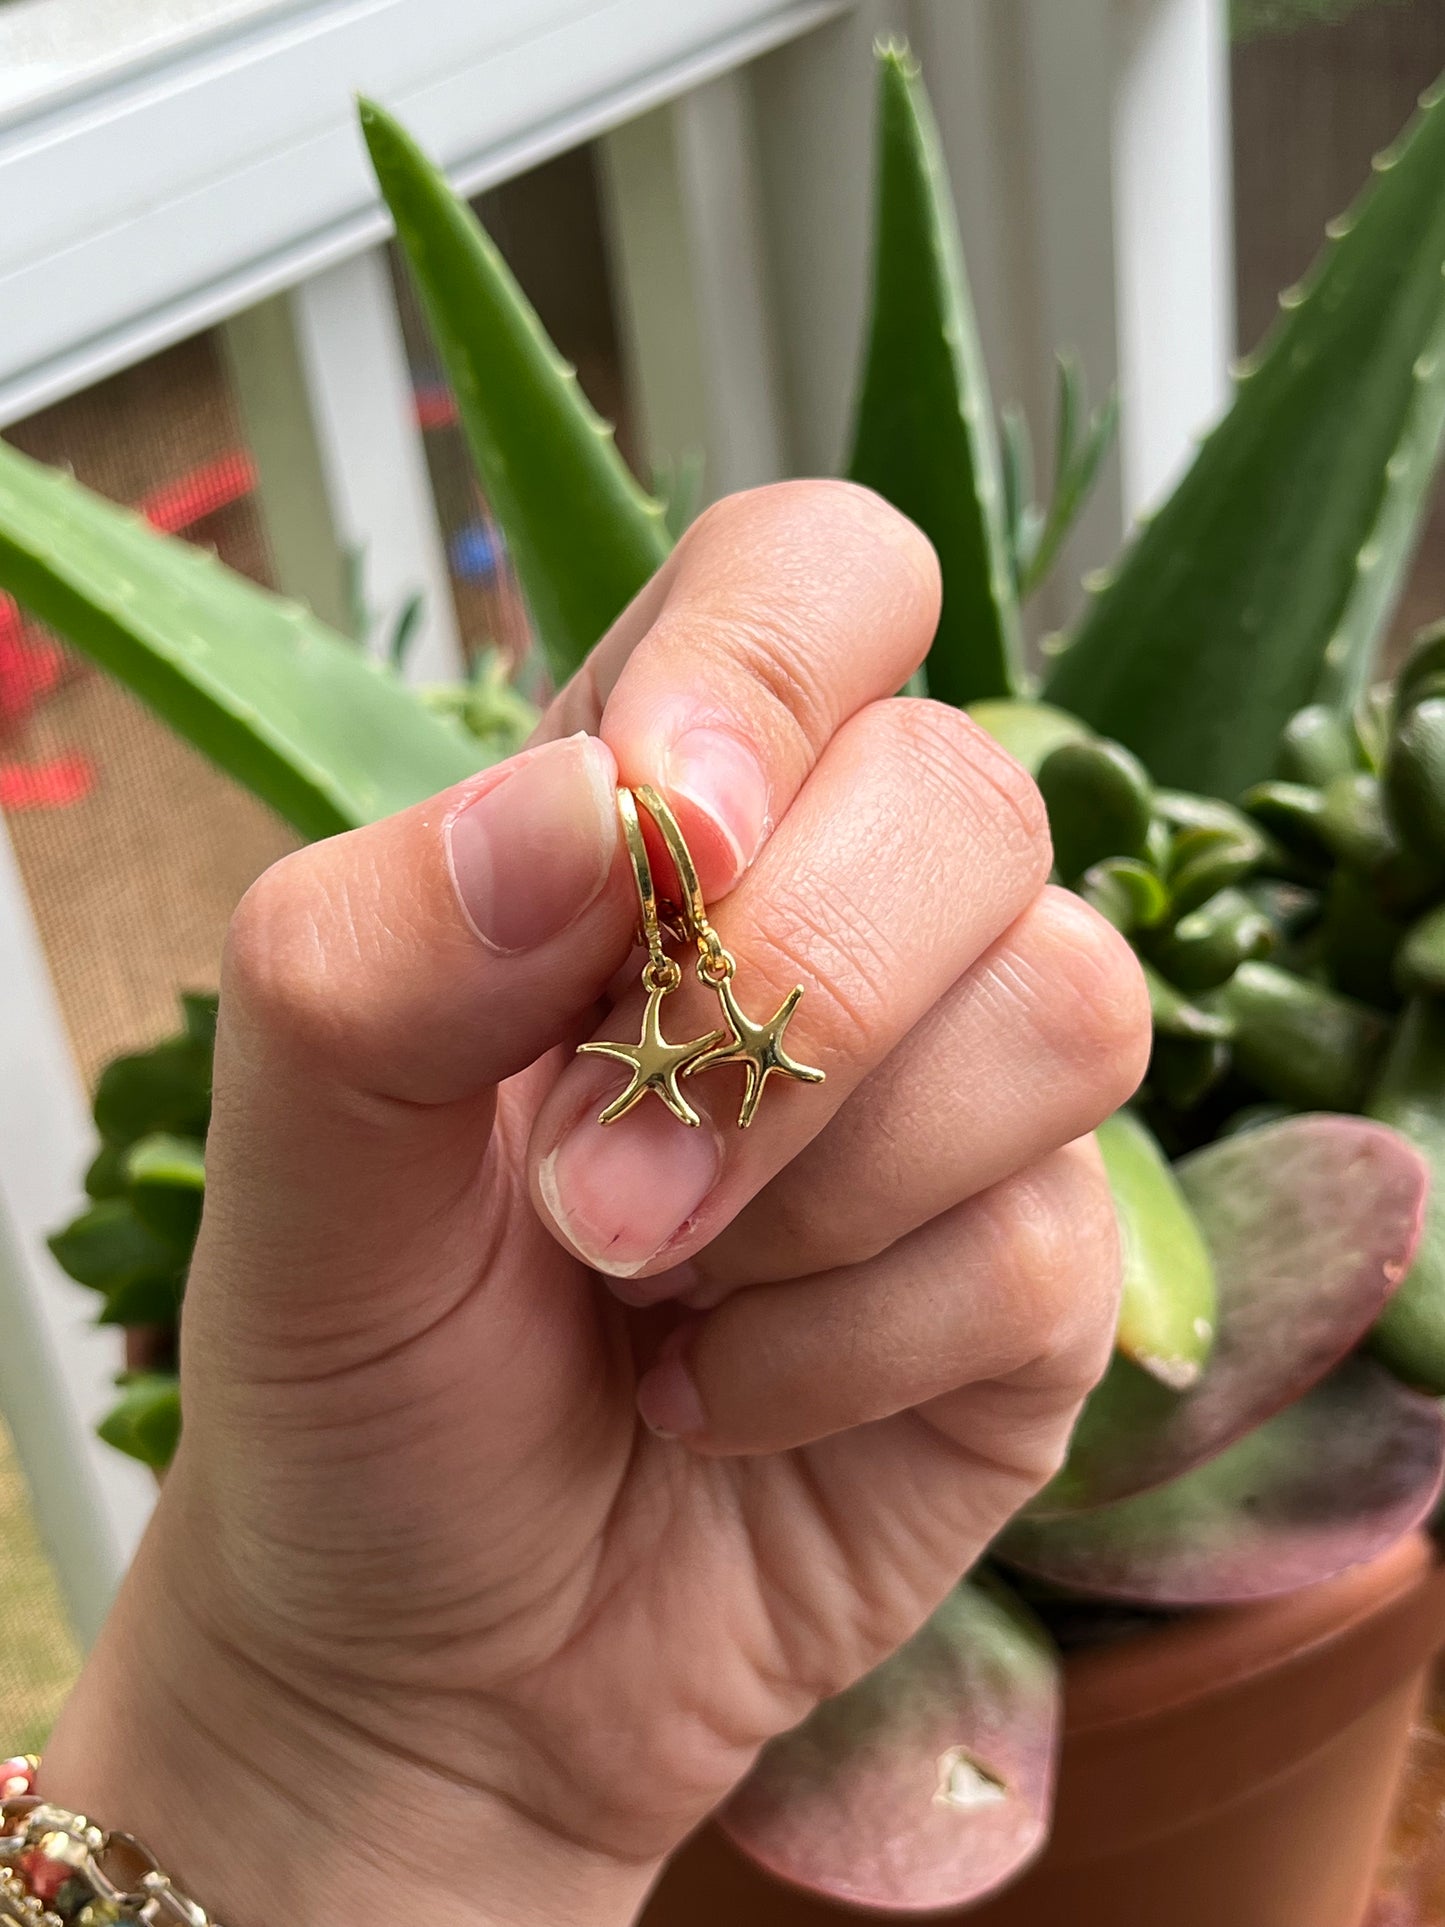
{"points": [[969, 773], [276, 967], [1066, 1244], [1092, 1004]]}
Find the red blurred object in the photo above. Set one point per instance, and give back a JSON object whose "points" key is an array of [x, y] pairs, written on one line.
{"points": [[32, 663]]}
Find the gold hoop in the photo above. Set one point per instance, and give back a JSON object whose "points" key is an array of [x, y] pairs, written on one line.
{"points": [[661, 971], [715, 964]]}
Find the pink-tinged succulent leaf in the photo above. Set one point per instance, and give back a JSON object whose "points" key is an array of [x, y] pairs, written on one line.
{"points": [[1327, 1484], [1311, 1224], [927, 1784]]}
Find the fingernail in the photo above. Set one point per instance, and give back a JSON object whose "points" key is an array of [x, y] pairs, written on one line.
{"points": [[619, 1192], [531, 852], [721, 777], [667, 1397]]}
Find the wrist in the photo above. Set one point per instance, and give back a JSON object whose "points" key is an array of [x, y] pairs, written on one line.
{"points": [[263, 1809]]}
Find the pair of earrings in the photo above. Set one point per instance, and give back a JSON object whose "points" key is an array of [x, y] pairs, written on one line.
{"points": [[655, 1064]]}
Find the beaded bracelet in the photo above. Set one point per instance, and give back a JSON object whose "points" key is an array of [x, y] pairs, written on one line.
{"points": [[57, 1870]]}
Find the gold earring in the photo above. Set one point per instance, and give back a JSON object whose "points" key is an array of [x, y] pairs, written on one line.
{"points": [[654, 1063], [757, 1047]]}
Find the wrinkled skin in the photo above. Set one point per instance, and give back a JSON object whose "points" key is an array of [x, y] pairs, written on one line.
{"points": [[535, 1475]]}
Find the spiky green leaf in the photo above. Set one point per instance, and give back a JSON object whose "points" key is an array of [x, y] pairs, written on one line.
{"points": [[924, 429], [582, 534], [1267, 577], [292, 710]]}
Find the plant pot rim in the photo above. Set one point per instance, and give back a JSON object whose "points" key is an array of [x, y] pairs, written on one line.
{"points": [[1210, 1654], [1165, 1728]]}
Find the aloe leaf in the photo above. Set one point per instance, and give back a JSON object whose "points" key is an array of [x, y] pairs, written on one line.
{"points": [[292, 710], [1329, 1483], [1083, 443], [583, 536], [1410, 1096], [1167, 1311], [924, 428], [1309, 1224], [927, 1784], [1268, 576]]}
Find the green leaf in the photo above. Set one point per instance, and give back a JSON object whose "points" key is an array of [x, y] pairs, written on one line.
{"points": [[1100, 802], [166, 1088], [924, 428], [108, 1246], [1266, 579], [1030, 732], [1300, 1042], [1083, 442], [1410, 1096], [1130, 893], [1167, 1312], [147, 1421], [167, 1177], [1206, 946], [292, 710], [583, 536]]}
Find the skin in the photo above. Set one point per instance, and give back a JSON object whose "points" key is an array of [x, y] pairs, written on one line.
{"points": [[535, 1475]]}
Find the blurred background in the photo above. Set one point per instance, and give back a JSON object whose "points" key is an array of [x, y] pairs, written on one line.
{"points": [[203, 318]]}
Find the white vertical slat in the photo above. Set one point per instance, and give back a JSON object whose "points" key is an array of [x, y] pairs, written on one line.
{"points": [[1174, 251], [322, 380], [685, 232], [57, 1370]]}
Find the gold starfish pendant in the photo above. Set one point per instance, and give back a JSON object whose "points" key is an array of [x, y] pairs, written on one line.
{"points": [[757, 1047], [655, 1064]]}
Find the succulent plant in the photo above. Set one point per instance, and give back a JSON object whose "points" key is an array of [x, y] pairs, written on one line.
{"points": [[1224, 783]]}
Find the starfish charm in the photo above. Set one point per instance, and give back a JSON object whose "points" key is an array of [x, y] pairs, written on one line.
{"points": [[757, 1047], [655, 1064]]}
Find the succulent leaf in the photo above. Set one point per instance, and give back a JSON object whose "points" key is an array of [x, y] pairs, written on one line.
{"points": [[923, 433], [146, 1423], [927, 1784], [1300, 1042], [1266, 579], [1029, 731], [1100, 803], [582, 534], [1410, 1096], [1330, 1482], [166, 1177], [1309, 1226], [292, 710], [1167, 1310]]}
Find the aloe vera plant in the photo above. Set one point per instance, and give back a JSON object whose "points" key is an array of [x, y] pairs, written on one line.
{"points": [[1225, 785]]}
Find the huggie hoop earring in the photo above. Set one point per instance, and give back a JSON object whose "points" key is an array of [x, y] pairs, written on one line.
{"points": [[654, 1063], [757, 1047]]}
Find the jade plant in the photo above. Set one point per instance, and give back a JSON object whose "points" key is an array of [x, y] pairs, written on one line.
{"points": [[1227, 781]]}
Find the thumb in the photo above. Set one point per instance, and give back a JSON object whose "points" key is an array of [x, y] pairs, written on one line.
{"points": [[376, 987]]}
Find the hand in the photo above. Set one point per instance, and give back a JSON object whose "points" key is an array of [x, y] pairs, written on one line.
{"points": [[478, 1572]]}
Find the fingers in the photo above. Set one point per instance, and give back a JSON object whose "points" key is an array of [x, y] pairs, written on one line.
{"points": [[1045, 1037], [914, 844], [375, 988], [1013, 1291], [782, 612]]}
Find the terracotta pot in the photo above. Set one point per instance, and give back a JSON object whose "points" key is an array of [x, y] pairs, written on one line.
{"points": [[1233, 1769]]}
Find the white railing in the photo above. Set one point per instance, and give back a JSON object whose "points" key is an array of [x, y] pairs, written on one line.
{"points": [[168, 164]]}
